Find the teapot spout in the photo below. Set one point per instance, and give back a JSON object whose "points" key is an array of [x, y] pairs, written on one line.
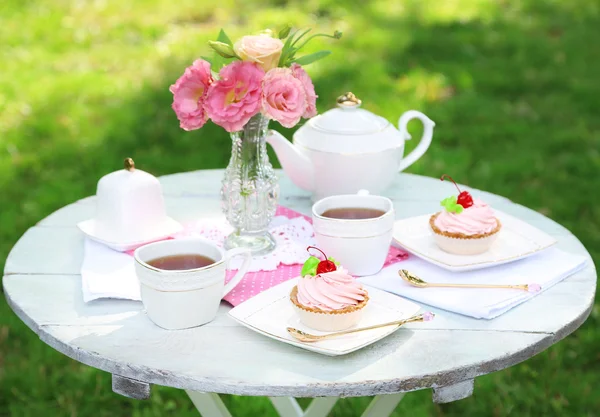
{"points": [[296, 165]]}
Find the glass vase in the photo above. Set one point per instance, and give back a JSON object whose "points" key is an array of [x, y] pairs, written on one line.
{"points": [[250, 190]]}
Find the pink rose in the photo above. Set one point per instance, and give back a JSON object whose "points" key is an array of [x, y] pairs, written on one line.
{"points": [[283, 97], [309, 89], [189, 95], [235, 97]]}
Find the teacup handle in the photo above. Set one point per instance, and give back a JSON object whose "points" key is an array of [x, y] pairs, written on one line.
{"points": [[229, 255], [423, 145]]}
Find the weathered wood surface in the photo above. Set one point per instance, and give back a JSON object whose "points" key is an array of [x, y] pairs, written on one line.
{"points": [[43, 286], [130, 388], [453, 392]]}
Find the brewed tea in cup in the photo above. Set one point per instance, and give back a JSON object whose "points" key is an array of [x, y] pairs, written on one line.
{"points": [[183, 280], [355, 229]]}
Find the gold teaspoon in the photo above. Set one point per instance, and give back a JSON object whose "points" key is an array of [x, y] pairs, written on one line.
{"points": [[415, 281], [307, 337]]}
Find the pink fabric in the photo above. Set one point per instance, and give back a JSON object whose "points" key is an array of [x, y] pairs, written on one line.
{"points": [[254, 283]]}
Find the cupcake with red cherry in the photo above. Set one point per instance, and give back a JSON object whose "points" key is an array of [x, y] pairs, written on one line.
{"points": [[326, 297], [465, 226]]}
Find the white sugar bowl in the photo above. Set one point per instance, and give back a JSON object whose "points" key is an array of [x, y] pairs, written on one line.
{"points": [[130, 210]]}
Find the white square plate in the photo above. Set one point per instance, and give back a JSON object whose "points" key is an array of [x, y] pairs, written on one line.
{"points": [[271, 312], [516, 240]]}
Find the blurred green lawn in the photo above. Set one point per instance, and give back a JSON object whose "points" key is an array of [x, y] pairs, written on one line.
{"points": [[514, 89]]}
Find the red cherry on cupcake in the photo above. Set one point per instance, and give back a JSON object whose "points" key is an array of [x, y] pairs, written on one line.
{"points": [[325, 265], [464, 198]]}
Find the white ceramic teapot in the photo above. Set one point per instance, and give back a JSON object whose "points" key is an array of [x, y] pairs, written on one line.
{"points": [[348, 149]]}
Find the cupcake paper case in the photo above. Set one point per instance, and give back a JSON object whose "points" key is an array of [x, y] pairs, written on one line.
{"points": [[466, 226]]}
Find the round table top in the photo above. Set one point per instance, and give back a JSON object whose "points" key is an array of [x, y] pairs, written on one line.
{"points": [[43, 286]]}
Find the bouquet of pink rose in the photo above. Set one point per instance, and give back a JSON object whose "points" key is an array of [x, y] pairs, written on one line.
{"points": [[263, 75]]}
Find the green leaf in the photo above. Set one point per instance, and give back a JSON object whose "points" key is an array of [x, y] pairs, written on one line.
{"points": [[284, 32], [310, 58], [448, 201], [224, 38], [285, 50], [451, 205], [310, 266], [207, 59]]}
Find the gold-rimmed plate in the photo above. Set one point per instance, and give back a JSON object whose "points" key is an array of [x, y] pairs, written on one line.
{"points": [[270, 313], [516, 240]]}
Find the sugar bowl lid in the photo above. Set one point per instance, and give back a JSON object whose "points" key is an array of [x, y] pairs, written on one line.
{"points": [[348, 129], [126, 179]]}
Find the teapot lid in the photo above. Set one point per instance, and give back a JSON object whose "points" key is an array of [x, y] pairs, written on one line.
{"points": [[348, 129], [349, 119]]}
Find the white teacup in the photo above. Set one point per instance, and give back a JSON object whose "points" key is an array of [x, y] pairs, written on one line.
{"points": [[179, 299], [360, 246]]}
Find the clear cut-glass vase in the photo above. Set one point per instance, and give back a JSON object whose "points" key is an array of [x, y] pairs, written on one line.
{"points": [[250, 191]]}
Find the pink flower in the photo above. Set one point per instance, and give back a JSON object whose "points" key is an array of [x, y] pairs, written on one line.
{"points": [[309, 89], [283, 97], [189, 95], [235, 97]]}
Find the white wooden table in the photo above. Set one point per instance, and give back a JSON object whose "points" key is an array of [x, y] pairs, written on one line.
{"points": [[43, 287]]}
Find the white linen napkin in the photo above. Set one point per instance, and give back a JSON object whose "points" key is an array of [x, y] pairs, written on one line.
{"points": [[106, 273], [545, 269]]}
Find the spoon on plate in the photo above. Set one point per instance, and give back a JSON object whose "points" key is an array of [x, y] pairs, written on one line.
{"points": [[307, 337], [415, 281]]}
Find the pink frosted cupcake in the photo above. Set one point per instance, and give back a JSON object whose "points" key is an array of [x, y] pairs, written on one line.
{"points": [[327, 298], [465, 226]]}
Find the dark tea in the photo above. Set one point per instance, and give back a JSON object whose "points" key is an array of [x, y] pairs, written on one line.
{"points": [[353, 213], [180, 262]]}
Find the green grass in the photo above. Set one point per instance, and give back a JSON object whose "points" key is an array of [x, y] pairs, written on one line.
{"points": [[513, 87]]}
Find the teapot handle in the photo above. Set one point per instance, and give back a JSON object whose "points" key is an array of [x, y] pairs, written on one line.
{"points": [[423, 145]]}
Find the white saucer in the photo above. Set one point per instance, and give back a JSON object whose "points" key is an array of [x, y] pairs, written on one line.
{"points": [[162, 231], [271, 312], [516, 240]]}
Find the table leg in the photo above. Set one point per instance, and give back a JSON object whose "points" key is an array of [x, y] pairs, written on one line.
{"points": [[211, 405], [208, 404], [289, 407], [320, 407], [383, 405]]}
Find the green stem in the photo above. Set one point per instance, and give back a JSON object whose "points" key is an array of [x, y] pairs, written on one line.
{"points": [[300, 37], [315, 36]]}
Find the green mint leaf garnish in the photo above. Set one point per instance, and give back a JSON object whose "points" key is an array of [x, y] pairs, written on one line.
{"points": [[310, 266], [449, 202], [451, 205]]}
